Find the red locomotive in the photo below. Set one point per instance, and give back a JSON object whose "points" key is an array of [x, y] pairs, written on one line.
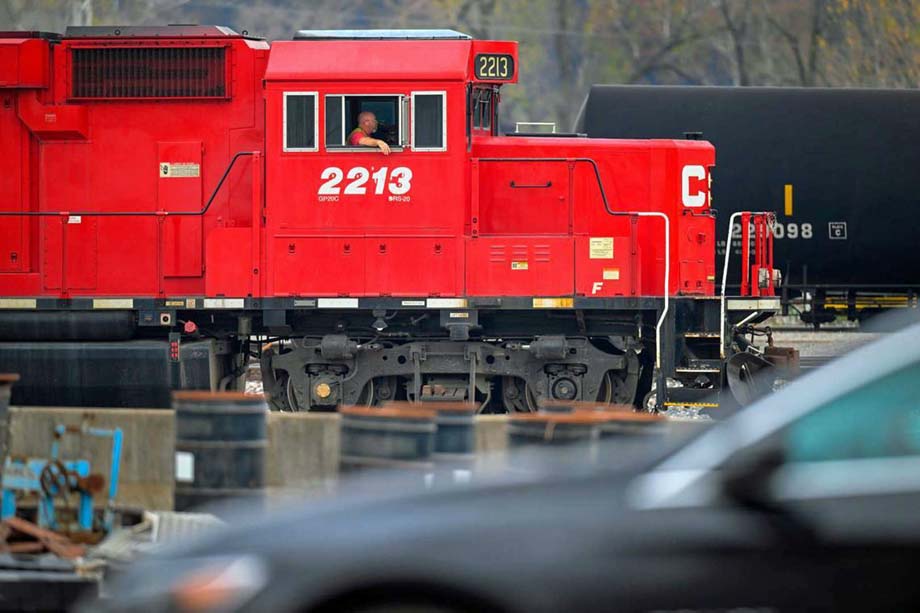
{"points": [[186, 182]]}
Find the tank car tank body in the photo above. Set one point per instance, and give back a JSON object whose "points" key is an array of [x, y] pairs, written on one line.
{"points": [[835, 164]]}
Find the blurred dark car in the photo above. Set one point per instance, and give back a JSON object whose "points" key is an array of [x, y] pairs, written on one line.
{"points": [[806, 500]]}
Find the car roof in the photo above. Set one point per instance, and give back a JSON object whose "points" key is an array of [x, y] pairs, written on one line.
{"points": [[878, 359]]}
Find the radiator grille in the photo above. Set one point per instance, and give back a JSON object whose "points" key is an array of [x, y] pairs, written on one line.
{"points": [[149, 72]]}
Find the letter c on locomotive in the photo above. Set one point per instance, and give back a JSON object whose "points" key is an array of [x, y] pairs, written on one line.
{"points": [[695, 200]]}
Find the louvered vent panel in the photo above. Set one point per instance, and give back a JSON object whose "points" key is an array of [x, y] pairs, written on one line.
{"points": [[149, 72]]}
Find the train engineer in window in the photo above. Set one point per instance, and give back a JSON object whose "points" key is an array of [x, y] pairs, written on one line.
{"points": [[361, 136]]}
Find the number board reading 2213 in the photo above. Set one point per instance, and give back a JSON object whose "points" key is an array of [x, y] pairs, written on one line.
{"points": [[494, 67]]}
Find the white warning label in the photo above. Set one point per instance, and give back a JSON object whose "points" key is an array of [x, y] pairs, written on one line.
{"points": [[600, 248], [175, 170], [185, 466]]}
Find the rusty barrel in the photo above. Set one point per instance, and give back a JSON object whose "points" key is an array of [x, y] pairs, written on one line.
{"points": [[455, 438], [557, 428], [576, 433], [580, 406], [632, 424], [386, 437], [6, 388], [625, 433], [220, 447]]}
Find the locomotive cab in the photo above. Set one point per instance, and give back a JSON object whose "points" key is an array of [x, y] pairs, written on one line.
{"points": [[349, 221]]}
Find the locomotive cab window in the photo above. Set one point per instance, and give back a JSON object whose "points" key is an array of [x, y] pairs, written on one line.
{"points": [[429, 121], [342, 112], [300, 121]]}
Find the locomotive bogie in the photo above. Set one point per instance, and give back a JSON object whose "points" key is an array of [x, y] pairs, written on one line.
{"points": [[492, 357]]}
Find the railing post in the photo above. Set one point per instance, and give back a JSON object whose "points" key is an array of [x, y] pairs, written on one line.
{"points": [[758, 255], [768, 257], [255, 286], [745, 254], [474, 198], [64, 219]]}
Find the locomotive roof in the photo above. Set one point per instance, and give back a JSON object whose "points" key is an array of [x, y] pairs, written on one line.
{"points": [[418, 34], [169, 31], [29, 34], [369, 60]]}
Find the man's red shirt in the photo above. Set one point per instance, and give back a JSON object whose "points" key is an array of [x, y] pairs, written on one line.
{"points": [[354, 139]]}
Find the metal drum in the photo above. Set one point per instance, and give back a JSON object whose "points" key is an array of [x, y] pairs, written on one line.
{"points": [[579, 406], [388, 437], [455, 439], [574, 435], [6, 387], [553, 428], [621, 424], [220, 447], [626, 433], [558, 406]]}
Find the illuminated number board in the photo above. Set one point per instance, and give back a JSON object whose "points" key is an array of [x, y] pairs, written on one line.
{"points": [[494, 67]]}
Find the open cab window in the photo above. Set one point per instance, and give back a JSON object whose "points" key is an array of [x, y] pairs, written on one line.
{"points": [[342, 112], [425, 130], [300, 130]]}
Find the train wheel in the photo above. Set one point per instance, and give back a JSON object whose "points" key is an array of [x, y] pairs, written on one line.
{"points": [[514, 395], [274, 382], [614, 390], [294, 396], [276, 401], [383, 389]]}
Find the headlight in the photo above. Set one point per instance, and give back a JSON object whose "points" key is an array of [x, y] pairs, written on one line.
{"points": [[220, 583]]}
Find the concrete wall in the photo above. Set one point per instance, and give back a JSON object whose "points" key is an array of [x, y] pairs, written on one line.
{"points": [[147, 458], [303, 448]]}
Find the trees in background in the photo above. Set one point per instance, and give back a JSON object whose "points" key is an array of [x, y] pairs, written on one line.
{"points": [[566, 45]]}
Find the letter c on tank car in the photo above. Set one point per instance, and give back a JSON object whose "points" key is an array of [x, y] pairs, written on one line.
{"points": [[692, 171]]}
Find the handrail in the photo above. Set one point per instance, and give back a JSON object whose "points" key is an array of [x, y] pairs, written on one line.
{"points": [[597, 172], [667, 274], [134, 213], [728, 250], [667, 233]]}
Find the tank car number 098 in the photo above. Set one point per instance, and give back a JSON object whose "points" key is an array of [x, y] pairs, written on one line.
{"points": [[791, 230], [397, 182]]}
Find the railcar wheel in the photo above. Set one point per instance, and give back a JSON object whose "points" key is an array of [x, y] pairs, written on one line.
{"points": [[295, 397], [384, 389], [274, 382], [295, 401], [516, 396], [366, 397], [650, 402], [614, 390], [278, 402]]}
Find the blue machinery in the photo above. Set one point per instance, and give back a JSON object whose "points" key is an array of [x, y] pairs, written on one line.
{"points": [[55, 478]]}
